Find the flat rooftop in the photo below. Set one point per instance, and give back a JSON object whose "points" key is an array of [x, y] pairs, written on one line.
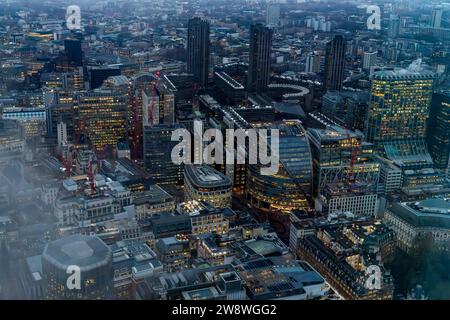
{"points": [[403, 74], [205, 176], [87, 252]]}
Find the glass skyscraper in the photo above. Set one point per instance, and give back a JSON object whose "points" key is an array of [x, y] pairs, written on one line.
{"points": [[157, 154], [74, 54], [332, 149], [102, 117], [291, 187], [399, 106], [438, 130]]}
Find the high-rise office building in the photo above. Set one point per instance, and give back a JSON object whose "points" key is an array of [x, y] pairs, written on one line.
{"points": [[73, 51], [335, 63], [273, 13], [438, 130], [198, 50], [62, 133], [333, 104], [157, 154], [332, 151], [102, 118], [158, 105], [259, 58], [436, 17], [74, 80], [60, 112], [141, 83], [289, 189], [399, 105], [31, 119]]}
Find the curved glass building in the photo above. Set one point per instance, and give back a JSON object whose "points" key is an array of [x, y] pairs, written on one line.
{"points": [[289, 189]]}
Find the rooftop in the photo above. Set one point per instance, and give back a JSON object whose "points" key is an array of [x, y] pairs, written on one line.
{"points": [[333, 133], [87, 252], [429, 213], [403, 74], [272, 280], [206, 177], [154, 194]]}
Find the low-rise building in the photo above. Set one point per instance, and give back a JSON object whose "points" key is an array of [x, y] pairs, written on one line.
{"points": [[151, 202], [414, 221], [204, 183], [174, 252]]}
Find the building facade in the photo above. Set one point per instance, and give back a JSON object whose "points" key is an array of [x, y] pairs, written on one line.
{"points": [[438, 130], [198, 50], [102, 118], [204, 183], [334, 63], [259, 58], [399, 106]]}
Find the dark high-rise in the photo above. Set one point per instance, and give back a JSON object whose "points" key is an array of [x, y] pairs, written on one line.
{"points": [[72, 49], [198, 50], [334, 64], [158, 147], [438, 130], [259, 58]]}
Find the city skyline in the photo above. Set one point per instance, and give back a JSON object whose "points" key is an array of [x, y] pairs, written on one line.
{"points": [[224, 150]]}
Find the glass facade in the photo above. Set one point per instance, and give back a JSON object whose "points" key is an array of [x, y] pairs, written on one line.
{"points": [[102, 117], [332, 149], [290, 188], [399, 106], [438, 130], [157, 154]]}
